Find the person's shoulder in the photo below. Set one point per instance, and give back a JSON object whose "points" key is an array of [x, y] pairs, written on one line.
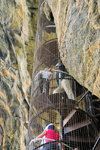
{"points": [[50, 73], [45, 131], [57, 133]]}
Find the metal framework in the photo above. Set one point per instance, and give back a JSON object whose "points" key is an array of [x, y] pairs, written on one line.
{"points": [[73, 116]]}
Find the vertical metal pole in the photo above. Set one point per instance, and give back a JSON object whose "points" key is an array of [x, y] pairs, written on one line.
{"points": [[61, 128]]}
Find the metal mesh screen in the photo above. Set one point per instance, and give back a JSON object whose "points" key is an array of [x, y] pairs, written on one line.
{"points": [[59, 104]]}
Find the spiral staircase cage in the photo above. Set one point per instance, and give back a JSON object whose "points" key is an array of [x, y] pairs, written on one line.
{"points": [[68, 106]]}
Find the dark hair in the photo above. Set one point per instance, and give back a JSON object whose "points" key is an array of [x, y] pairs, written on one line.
{"points": [[52, 127]]}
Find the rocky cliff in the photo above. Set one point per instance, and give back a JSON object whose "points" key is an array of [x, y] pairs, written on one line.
{"points": [[78, 31], [18, 21]]}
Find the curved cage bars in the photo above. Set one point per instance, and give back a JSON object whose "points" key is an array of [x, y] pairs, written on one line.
{"points": [[33, 145], [55, 96]]}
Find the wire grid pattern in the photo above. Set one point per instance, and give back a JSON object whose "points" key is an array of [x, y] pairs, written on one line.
{"points": [[76, 127]]}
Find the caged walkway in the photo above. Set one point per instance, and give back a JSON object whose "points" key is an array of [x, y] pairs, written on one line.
{"points": [[77, 120]]}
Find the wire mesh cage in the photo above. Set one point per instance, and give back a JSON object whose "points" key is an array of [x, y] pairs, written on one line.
{"points": [[55, 95]]}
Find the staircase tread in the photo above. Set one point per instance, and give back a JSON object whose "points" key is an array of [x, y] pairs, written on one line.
{"points": [[76, 126], [78, 138], [69, 116], [75, 117]]}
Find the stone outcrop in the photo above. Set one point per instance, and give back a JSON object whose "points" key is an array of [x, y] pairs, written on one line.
{"points": [[18, 21], [78, 31]]}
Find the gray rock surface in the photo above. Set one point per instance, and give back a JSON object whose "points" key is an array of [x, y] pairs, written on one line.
{"points": [[78, 31]]}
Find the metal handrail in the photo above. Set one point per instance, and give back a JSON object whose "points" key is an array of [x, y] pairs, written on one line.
{"points": [[83, 96], [96, 143], [51, 141]]}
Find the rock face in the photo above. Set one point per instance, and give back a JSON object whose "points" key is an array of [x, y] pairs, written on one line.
{"points": [[18, 20], [78, 31]]}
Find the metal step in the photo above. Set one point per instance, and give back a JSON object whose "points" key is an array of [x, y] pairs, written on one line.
{"points": [[69, 116], [76, 126], [81, 139], [75, 116]]}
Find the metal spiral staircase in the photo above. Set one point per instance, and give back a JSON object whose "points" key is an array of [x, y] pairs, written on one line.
{"points": [[79, 119], [79, 128]]}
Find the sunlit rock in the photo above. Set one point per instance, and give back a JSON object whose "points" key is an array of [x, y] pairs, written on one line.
{"points": [[78, 31], [17, 41]]}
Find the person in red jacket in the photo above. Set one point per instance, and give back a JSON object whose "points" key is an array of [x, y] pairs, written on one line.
{"points": [[50, 133]]}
